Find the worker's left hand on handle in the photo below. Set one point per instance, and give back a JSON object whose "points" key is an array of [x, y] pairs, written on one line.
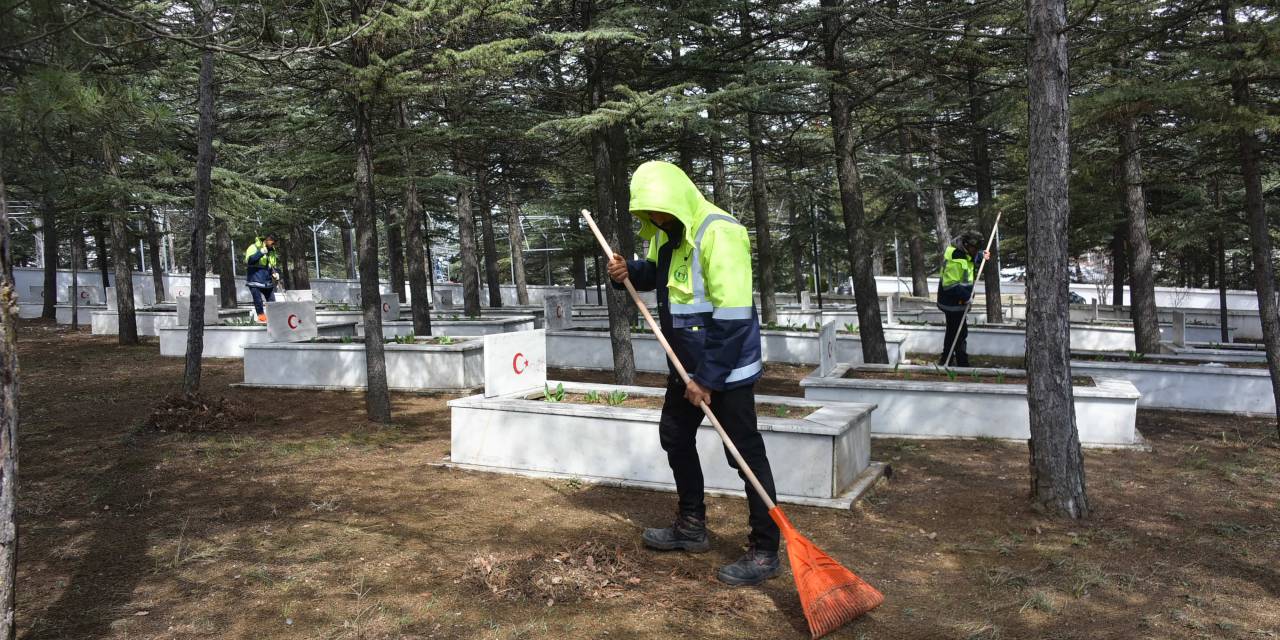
{"points": [[696, 394], [617, 268]]}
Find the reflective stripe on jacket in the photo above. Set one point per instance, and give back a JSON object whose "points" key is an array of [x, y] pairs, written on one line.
{"points": [[710, 308], [956, 286], [259, 263]]}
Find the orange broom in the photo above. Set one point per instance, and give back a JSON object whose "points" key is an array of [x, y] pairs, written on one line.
{"points": [[832, 596]]}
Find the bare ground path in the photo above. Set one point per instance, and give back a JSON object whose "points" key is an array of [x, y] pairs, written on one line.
{"points": [[306, 522]]}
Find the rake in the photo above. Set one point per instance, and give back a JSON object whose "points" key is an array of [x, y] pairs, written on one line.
{"points": [[831, 595]]}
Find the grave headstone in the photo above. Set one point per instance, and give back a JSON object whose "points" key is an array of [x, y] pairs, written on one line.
{"points": [[86, 295], [390, 307], [1179, 329], [1095, 309], [353, 295], [111, 299], [805, 300], [297, 295], [558, 311], [515, 362], [826, 349], [888, 307], [446, 299], [37, 293], [291, 321], [210, 310]]}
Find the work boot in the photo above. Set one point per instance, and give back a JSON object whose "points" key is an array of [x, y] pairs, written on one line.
{"points": [[753, 568], [262, 317], [687, 533]]}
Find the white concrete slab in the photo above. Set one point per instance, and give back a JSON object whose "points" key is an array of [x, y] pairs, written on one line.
{"points": [[336, 366], [815, 458], [1105, 414]]}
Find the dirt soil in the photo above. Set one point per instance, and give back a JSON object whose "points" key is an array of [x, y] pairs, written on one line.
{"points": [[305, 521]]}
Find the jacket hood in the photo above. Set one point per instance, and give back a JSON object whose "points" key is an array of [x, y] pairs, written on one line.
{"points": [[662, 186]]}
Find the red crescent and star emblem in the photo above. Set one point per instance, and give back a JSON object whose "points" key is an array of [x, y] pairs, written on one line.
{"points": [[293, 321], [519, 363]]}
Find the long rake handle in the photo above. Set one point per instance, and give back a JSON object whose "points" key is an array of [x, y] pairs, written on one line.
{"points": [[946, 363], [684, 375]]}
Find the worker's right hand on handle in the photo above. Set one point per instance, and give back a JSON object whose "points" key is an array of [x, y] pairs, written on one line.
{"points": [[617, 268]]}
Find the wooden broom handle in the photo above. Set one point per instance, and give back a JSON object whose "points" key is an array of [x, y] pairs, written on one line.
{"points": [[946, 364], [684, 375]]}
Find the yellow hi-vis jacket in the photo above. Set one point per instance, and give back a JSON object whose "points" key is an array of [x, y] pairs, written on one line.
{"points": [[703, 278], [956, 284]]}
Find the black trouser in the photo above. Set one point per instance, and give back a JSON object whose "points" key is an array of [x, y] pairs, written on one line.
{"points": [[259, 294], [955, 322], [678, 430]]}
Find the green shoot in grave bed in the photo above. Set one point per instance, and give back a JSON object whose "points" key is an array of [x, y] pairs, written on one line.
{"points": [[974, 375], [444, 340], [781, 411], [591, 396], [553, 396], [999, 377], [850, 327], [345, 340], [952, 375], [616, 398]]}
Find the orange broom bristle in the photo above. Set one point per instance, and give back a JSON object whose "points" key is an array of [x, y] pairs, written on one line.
{"points": [[831, 595]]}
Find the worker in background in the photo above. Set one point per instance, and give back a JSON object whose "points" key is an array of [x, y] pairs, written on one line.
{"points": [[955, 291], [262, 273], [699, 263]]}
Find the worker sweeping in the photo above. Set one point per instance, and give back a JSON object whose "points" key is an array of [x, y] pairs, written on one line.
{"points": [[699, 263], [955, 291], [262, 272]]}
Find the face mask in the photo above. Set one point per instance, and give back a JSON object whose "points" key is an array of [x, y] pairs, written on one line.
{"points": [[671, 226]]}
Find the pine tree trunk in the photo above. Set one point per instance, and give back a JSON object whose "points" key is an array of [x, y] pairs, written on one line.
{"points": [[860, 246], [1221, 250], [1255, 210], [515, 234], [986, 196], [795, 238], [492, 282], [919, 266], [619, 152], [377, 397], [8, 423], [938, 195], [153, 254], [299, 267], [419, 280], [719, 180], [395, 252], [619, 302], [1142, 295], [81, 247], [1119, 264], [912, 215], [125, 316], [205, 157], [75, 286], [224, 264], [467, 245], [760, 207], [101, 248], [1057, 465], [49, 229], [348, 252]]}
